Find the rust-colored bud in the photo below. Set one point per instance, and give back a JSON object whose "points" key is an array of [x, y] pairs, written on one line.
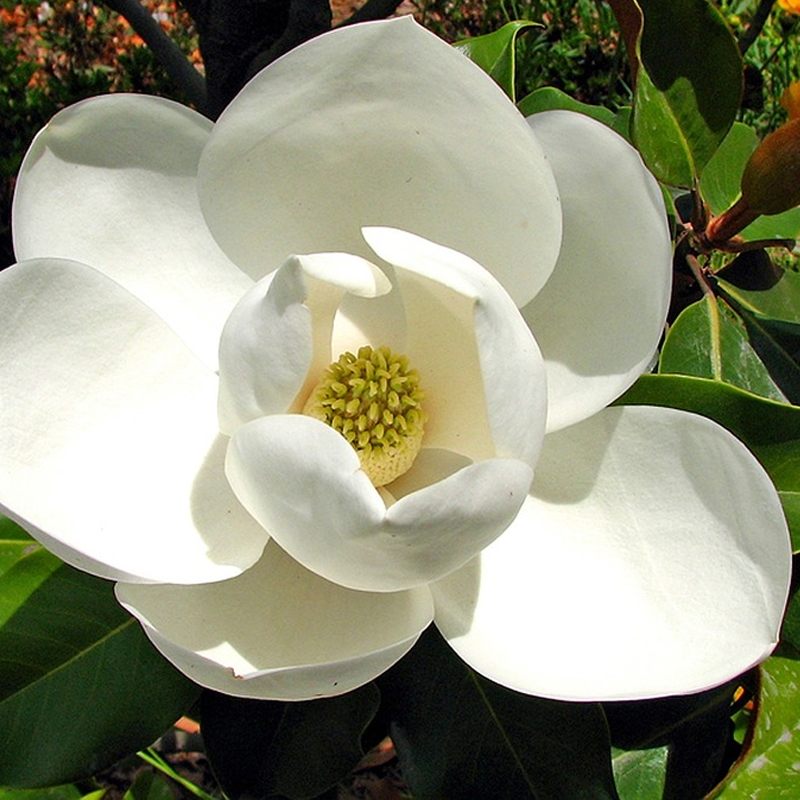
{"points": [[771, 180]]}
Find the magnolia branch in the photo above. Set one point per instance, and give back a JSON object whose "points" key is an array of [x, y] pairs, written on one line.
{"points": [[171, 57]]}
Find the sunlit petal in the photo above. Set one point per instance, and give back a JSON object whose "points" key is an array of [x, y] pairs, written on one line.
{"points": [[652, 558], [279, 631], [481, 365], [386, 125], [302, 481], [111, 182], [600, 317], [109, 449]]}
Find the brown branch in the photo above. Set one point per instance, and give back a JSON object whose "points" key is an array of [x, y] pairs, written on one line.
{"points": [[756, 25], [171, 57]]}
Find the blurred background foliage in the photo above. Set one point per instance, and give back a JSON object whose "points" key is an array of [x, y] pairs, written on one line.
{"points": [[56, 53]]}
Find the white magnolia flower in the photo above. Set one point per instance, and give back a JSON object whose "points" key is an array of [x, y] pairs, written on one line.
{"points": [[154, 382]]}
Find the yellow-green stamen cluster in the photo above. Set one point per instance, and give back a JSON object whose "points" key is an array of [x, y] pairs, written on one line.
{"points": [[373, 399]]}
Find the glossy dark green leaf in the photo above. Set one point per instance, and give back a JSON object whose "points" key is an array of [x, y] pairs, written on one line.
{"points": [[708, 340], [684, 738], [781, 302], [769, 767], [258, 748], [770, 429], [688, 88], [80, 684], [68, 792], [459, 736], [640, 774], [14, 543], [720, 186], [495, 53], [149, 786], [777, 341], [548, 98]]}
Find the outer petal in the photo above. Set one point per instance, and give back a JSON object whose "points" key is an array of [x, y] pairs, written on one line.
{"points": [[111, 182], [389, 126], [599, 319], [281, 329], [279, 631], [302, 481], [109, 450], [651, 559], [502, 380]]}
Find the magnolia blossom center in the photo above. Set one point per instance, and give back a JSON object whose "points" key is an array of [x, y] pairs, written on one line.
{"points": [[373, 399]]}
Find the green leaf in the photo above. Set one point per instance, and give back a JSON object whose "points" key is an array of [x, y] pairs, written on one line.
{"points": [[684, 739], [688, 87], [770, 429], [459, 736], [80, 684], [149, 786], [720, 186], [781, 302], [640, 774], [709, 341], [548, 98], [495, 53], [769, 767], [68, 792], [261, 747], [14, 543]]}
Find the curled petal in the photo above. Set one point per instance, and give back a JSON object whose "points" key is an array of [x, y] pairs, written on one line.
{"points": [[652, 558], [488, 367], [281, 330], [111, 182], [109, 448], [433, 147], [302, 481], [279, 632], [600, 316]]}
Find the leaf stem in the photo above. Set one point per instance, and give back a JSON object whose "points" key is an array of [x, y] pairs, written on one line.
{"points": [[155, 760]]}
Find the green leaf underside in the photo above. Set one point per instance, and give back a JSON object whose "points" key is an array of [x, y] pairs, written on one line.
{"points": [[709, 341], [460, 736], [770, 767], [720, 186], [770, 429], [495, 52], [640, 774], [80, 684], [257, 746], [680, 115]]}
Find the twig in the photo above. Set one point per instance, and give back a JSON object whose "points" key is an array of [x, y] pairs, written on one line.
{"points": [[372, 9], [756, 25], [171, 57]]}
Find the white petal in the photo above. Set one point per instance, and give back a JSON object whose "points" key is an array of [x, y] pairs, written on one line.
{"points": [[109, 449], [599, 319], [651, 559], [302, 481], [394, 128], [487, 367], [279, 632], [111, 182], [278, 337]]}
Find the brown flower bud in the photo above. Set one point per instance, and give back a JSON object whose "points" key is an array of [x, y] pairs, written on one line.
{"points": [[771, 179]]}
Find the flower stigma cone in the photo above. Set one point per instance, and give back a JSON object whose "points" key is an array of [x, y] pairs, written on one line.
{"points": [[374, 400]]}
